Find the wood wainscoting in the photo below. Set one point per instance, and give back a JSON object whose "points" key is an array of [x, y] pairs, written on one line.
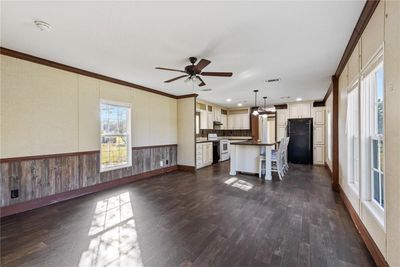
{"points": [[43, 180]]}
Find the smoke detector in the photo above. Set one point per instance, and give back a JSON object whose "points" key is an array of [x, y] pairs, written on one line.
{"points": [[42, 25]]}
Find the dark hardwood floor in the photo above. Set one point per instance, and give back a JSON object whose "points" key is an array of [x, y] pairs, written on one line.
{"points": [[184, 219]]}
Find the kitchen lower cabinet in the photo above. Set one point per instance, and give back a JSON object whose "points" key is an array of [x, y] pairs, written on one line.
{"points": [[204, 154]]}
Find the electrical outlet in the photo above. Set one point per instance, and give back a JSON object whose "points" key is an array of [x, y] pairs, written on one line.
{"points": [[161, 163], [166, 162], [14, 193]]}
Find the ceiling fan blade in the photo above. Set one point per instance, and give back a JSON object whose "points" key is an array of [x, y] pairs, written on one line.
{"points": [[160, 68], [202, 82], [176, 78], [202, 64], [219, 74]]}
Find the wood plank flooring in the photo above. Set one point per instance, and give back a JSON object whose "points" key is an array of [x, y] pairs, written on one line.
{"points": [[184, 219]]}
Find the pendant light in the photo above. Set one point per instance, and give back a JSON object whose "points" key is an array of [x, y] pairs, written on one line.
{"points": [[265, 107], [255, 112]]}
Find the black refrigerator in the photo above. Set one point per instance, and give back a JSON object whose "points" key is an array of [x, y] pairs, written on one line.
{"points": [[300, 148]]}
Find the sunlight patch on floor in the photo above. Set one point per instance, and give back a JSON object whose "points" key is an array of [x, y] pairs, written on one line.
{"points": [[114, 238], [235, 182]]}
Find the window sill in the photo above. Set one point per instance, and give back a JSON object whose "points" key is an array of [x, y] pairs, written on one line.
{"points": [[115, 168], [376, 212]]}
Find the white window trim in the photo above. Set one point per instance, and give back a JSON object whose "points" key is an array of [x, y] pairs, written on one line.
{"points": [[351, 181], [127, 105], [368, 201]]}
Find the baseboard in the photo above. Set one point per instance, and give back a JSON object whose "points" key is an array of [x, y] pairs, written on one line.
{"points": [[365, 236], [186, 168], [45, 201]]}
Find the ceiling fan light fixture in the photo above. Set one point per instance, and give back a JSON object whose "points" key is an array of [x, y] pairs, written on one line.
{"points": [[42, 25], [255, 112]]}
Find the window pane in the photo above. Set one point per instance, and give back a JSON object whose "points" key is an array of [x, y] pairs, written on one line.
{"points": [[379, 83], [381, 156], [375, 154], [376, 186], [114, 135], [379, 100]]}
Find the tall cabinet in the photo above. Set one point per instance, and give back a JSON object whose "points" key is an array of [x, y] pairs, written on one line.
{"points": [[318, 115], [281, 123]]}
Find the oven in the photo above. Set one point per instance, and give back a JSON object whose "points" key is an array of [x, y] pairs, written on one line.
{"points": [[224, 149]]}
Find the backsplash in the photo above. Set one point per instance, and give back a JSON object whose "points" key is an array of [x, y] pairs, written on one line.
{"points": [[205, 132]]}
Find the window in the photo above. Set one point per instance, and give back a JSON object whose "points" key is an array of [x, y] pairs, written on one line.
{"points": [[329, 135], [377, 137], [352, 133], [115, 151], [372, 99]]}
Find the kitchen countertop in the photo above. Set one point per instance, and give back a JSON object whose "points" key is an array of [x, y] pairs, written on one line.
{"points": [[204, 139], [253, 143]]}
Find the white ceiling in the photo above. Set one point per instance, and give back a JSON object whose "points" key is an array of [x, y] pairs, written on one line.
{"points": [[300, 42]]}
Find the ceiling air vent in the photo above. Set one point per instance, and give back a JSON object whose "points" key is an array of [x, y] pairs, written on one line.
{"points": [[273, 80]]}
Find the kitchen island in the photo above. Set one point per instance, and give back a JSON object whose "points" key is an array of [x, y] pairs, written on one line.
{"points": [[245, 157]]}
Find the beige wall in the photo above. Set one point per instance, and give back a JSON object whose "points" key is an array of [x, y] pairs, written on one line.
{"points": [[392, 138], [48, 111], [186, 131], [382, 31], [328, 108]]}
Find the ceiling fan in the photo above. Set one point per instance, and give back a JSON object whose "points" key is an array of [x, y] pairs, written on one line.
{"points": [[193, 72]]}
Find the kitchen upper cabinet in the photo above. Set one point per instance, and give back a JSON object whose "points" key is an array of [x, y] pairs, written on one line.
{"points": [[203, 119], [230, 122], [319, 155], [217, 114], [281, 117], [224, 121], [239, 119], [210, 117], [299, 110]]}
